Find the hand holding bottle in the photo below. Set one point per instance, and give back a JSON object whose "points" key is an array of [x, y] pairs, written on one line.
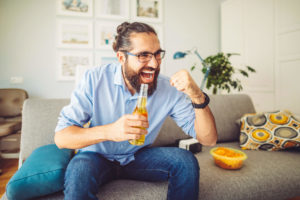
{"points": [[128, 128]]}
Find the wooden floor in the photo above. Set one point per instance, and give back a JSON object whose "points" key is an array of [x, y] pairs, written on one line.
{"points": [[8, 167]]}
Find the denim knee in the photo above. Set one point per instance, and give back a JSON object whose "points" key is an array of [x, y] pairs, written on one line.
{"points": [[187, 163], [184, 176], [82, 165], [81, 180]]}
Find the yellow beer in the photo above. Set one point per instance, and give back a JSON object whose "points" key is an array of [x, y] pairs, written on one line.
{"points": [[141, 109]]}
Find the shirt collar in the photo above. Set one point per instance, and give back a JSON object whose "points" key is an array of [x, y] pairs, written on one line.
{"points": [[118, 79]]}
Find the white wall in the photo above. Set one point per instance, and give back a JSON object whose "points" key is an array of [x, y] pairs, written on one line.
{"points": [[267, 35], [28, 45]]}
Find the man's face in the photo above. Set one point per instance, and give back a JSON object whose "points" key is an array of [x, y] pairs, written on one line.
{"points": [[136, 72]]}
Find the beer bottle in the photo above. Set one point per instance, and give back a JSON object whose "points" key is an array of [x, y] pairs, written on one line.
{"points": [[141, 109]]}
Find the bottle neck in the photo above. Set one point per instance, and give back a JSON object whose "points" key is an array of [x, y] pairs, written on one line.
{"points": [[142, 101], [143, 90]]}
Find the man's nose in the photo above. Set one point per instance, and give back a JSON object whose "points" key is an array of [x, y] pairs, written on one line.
{"points": [[153, 62]]}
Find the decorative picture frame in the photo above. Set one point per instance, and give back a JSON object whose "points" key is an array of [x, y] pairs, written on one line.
{"points": [[105, 57], [105, 34], [68, 62], [74, 33], [147, 10], [80, 8], [112, 9]]}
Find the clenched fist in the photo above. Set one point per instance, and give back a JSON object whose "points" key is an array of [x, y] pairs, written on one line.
{"points": [[183, 81]]}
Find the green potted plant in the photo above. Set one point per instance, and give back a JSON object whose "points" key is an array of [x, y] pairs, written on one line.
{"points": [[220, 74]]}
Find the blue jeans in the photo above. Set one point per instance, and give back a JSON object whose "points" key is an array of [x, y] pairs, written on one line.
{"points": [[178, 166]]}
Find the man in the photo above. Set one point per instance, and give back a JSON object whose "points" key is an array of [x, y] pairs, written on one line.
{"points": [[107, 96]]}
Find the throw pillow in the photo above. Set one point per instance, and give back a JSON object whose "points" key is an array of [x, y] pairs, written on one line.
{"points": [[42, 173], [269, 131]]}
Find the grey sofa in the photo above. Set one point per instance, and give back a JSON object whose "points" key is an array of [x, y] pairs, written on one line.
{"points": [[265, 175]]}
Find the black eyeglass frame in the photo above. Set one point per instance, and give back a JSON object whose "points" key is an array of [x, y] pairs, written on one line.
{"points": [[148, 55]]}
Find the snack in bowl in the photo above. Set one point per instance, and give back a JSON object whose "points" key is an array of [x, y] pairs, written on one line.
{"points": [[228, 158]]}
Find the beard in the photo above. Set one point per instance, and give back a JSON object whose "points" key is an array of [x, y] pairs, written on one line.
{"points": [[135, 78]]}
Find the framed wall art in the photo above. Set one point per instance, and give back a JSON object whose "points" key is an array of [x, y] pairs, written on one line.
{"points": [[86, 30], [105, 33], [112, 9], [68, 62], [80, 8], [147, 10], [107, 57], [75, 34]]}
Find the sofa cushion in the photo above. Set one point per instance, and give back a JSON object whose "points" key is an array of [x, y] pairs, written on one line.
{"points": [[269, 131], [265, 175], [41, 174]]}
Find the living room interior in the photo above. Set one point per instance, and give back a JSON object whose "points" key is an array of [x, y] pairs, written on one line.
{"points": [[265, 35]]}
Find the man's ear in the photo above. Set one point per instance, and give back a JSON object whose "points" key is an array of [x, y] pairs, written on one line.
{"points": [[121, 57]]}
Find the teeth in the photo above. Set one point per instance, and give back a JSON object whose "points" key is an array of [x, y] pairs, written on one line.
{"points": [[148, 72]]}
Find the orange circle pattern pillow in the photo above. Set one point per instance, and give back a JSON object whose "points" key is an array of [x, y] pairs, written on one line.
{"points": [[269, 131]]}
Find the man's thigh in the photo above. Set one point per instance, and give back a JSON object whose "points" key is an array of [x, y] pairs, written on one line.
{"points": [[156, 163], [86, 165]]}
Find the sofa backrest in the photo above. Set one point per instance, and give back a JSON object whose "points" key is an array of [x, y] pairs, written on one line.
{"points": [[227, 110], [40, 117]]}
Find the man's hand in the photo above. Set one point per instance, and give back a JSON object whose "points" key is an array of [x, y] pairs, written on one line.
{"points": [[127, 128], [183, 81]]}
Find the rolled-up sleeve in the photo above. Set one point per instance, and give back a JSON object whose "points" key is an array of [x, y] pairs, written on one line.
{"points": [[184, 115], [79, 111]]}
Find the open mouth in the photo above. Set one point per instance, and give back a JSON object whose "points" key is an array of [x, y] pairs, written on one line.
{"points": [[147, 76]]}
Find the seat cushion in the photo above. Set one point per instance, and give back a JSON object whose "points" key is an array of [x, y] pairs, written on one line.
{"points": [[9, 127], [41, 174], [264, 175]]}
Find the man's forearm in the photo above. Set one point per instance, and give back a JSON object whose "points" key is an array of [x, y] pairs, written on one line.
{"points": [[74, 137], [205, 123]]}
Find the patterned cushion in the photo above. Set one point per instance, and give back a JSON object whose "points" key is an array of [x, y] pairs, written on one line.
{"points": [[269, 131]]}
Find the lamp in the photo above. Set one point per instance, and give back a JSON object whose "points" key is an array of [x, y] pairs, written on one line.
{"points": [[180, 54]]}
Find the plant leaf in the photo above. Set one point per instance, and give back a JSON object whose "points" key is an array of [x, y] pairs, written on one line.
{"points": [[251, 69], [193, 67], [232, 54], [244, 73]]}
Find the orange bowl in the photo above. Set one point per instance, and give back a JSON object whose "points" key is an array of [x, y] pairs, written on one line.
{"points": [[228, 158]]}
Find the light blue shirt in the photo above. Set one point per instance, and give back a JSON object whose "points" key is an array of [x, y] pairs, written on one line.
{"points": [[102, 98]]}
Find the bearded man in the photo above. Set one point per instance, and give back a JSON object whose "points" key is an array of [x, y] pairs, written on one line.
{"points": [[107, 96]]}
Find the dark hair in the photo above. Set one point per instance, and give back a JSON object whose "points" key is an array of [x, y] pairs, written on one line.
{"points": [[122, 39]]}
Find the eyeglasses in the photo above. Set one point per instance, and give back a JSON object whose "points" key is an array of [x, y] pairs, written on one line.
{"points": [[144, 57]]}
